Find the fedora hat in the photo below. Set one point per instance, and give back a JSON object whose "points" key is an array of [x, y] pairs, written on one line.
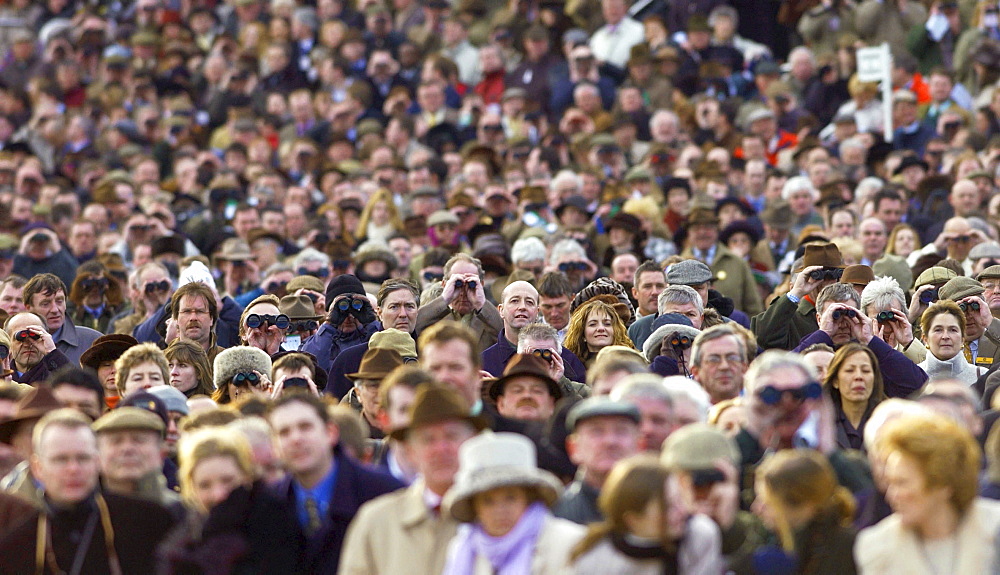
{"points": [[298, 307], [909, 162], [396, 340], [377, 363], [494, 460], [778, 215], [234, 250], [435, 403], [702, 216], [826, 255], [525, 365], [32, 406], [106, 348], [859, 275]]}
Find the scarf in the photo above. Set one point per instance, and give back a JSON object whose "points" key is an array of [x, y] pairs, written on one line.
{"points": [[957, 367], [509, 554]]}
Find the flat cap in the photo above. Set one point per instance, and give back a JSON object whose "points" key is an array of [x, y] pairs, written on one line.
{"points": [[442, 217], [960, 287], [992, 273], [985, 250], [600, 406], [688, 273], [934, 275], [128, 418], [172, 398], [697, 446]]}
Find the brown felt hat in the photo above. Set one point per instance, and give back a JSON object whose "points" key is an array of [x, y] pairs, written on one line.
{"points": [[436, 403], [32, 406], [525, 365], [106, 348], [859, 275], [826, 255], [377, 363]]}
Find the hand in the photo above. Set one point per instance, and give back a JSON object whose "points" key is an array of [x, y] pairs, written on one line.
{"points": [[981, 318], [941, 242], [884, 332], [917, 308], [902, 330], [804, 285], [977, 237], [46, 343], [723, 500], [478, 296], [171, 333], [861, 327], [557, 368], [826, 322], [279, 387], [450, 291]]}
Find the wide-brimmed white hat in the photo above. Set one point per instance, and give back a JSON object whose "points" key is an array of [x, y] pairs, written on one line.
{"points": [[493, 460], [651, 348]]}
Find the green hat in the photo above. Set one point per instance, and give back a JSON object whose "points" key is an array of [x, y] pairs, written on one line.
{"points": [[934, 275], [145, 38], [601, 406], [638, 173], [8, 242], [992, 273], [960, 287], [305, 282], [696, 447], [369, 126], [129, 418], [896, 268], [602, 139]]}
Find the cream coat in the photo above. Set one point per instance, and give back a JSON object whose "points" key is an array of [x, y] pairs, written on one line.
{"points": [[557, 539], [397, 533], [889, 548]]}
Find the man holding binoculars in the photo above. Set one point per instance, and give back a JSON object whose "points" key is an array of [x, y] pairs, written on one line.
{"points": [[33, 353], [464, 300]]}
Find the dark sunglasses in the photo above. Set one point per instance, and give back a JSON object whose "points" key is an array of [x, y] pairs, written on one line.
{"points": [[771, 395], [573, 266], [94, 283], [153, 287], [321, 273], [256, 320], [349, 303], [276, 286], [242, 379], [545, 354], [25, 334], [304, 326]]}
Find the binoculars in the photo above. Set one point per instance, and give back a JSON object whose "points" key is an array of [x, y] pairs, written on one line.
{"points": [[929, 296], [25, 334], [885, 316], [839, 313], [965, 306], [827, 274], [241, 379], [256, 320], [772, 395], [459, 284], [153, 287]]}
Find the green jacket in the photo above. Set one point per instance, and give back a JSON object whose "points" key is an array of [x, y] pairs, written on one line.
{"points": [[784, 324], [733, 279]]}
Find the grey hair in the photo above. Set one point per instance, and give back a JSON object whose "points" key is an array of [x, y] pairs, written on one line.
{"points": [[771, 360], [641, 387], [537, 331], [681, 388], [881, 293], [679, 294], [849, 143], [564, 248], [310, 255], [527, 250], [461, 257], [713, 333], [725, 11], [566, 176], [837, 292], [797, 184]]}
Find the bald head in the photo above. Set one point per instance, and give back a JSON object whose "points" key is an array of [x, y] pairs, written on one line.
{"points": [[519, 308], [964, 198]]}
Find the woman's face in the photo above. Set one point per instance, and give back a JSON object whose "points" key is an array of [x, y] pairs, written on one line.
{"points": [[678, 201], [182, 375], [906, 242], [380, 214], [106, 373], [498, 510], [908, 494], [620, 238], [944, 339], [856, 379], [143, 376], [763, 507], [649, 523], [599, 331], [739, 244], [215, 478]]}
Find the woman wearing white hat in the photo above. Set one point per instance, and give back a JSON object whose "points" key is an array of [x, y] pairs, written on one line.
{"points": [[503, 499]]}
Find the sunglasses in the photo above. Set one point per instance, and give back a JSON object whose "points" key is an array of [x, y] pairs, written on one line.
{"points": [[276, 286], [350, 303], [839, 313], [153, 287], [545, 354], [573, 266], [242, 379], [965, 306], [25, 334], [304, 326], [771, 395], [256, 320], [321, 273], [827, 274], [94, 283], [459, 284]]}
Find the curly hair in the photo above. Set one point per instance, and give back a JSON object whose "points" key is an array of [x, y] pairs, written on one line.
{"points": [[575, 339], [137, 355]]}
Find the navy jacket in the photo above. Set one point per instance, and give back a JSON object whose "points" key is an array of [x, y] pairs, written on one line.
{"points": [[496, 356], [327, 343], [227, 329], [900, 376], [347, 361], [355, 485]]}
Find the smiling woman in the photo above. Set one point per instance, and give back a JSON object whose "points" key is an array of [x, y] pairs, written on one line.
{"points": [[594, 326]]}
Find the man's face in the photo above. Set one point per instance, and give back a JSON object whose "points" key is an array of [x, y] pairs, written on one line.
{"points": [[656, 425], [450, 362], [890, 212], [687, 310], [648, 290], [400, 399], [842, 225], [526, 398], [149, 286], [704, 236], [462, 304], [51, 307], [306, 443], [843, 334], [402, 249], [964, 198], [801, 202], [367, 392], [129, 454], [66, 464], [25, 354], [10, 299], [194, 321], [399, 311], [623, 267], [912, 177], [520, 306], [600, 442], [992, 293], [79, 398], [778, 423], [721, 368], [555, 310], [82, 239], [873, 239], [433, 449]]}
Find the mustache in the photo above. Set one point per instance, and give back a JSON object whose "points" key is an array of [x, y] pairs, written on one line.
{"points": [[526, 402]]}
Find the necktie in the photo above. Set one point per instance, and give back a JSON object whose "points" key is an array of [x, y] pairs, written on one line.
{"points": [[312, 510], [968, 354]]}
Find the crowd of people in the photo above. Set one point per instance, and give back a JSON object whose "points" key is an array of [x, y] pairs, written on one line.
{"points": [[469, 287]]}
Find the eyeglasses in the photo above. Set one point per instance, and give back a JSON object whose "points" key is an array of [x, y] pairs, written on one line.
{"points": [[459, 284], [304, 326], [349, 303], [255, 321], [965, 306], [545, 354], [321, 273], [717, 359], [153, 287], [771, 395], [885, 316], [573, 266], [94, 283], [839, 313], [242, 379], [827, 274], [276, 286], [25, 334]]}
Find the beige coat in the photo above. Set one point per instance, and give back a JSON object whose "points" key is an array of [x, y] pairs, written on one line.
{"points": [[557, 539], [888, 548], [397, 533]]}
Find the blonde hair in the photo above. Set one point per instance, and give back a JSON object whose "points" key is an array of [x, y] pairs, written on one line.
{"points": [[575, 339], [382, 195], [137, 355], [205, 444]]}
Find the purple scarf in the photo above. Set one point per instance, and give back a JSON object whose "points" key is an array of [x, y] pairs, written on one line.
{"points": [[510, 554]]}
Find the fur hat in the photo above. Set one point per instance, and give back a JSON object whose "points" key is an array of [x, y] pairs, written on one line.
{"points": [[240, 359], [651, 348]]}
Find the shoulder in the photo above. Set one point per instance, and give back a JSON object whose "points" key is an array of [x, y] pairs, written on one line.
{"points": [[562, 530], [877, 540], [370, 481]]}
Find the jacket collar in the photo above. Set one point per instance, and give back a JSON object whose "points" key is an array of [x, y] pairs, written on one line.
{"points": [[68, 334]]}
